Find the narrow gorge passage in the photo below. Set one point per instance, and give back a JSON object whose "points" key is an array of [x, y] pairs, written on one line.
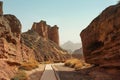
{"points": [[48, 74]]}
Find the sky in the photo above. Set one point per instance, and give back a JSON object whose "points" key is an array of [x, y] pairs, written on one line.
{"points": [[71, 16]]}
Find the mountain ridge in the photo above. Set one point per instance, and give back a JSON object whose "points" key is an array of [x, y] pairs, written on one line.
{"points": [[70, 46]]}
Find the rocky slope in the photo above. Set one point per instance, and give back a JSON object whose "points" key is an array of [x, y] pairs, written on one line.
{"points": [[101, 44], [40, 43], [45, 50]]}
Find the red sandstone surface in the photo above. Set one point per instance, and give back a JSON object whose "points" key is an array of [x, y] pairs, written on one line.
{"points": [[46, 31]]}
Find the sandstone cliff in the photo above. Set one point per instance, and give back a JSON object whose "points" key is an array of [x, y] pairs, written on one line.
{"points": [[101, 38], [12, 49], [45, 50], [46, 31], [101, 45]]}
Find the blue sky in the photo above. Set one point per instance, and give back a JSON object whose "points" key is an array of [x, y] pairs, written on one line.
{"points": [[71, 16]]}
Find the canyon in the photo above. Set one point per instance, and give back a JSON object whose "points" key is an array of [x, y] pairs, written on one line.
{"points": [[101, 38], [17, 47], [101, 45]]}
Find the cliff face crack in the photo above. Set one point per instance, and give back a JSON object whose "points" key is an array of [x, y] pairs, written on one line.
{"points": [[95, 45]]}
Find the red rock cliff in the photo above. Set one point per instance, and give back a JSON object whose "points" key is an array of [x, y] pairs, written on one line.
{"points": [[46, 31], [101, 39], [41, 28], [12, 48], [53, 34]]}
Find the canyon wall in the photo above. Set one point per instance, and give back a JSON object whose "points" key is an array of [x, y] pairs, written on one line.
{"points": [[101, 39], [12, 48]]}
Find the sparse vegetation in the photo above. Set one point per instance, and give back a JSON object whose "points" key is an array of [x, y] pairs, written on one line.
{"points": [[77, 64], [20, 75], [32, 64], [71, 62]]}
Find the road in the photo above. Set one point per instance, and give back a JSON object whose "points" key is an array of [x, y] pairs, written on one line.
{"points": [[48, 74]]}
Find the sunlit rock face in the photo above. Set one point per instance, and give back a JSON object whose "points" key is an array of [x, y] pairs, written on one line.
{"points": [[44, 39], [101, 39], [46, 31], [12, 48], [10, 29], [45, 50], [11, 44], [53, 34]]}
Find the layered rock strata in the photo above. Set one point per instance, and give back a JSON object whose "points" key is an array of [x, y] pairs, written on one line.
{"points": [[46, 31], [101, 39], [12, 49], [45, 50]]}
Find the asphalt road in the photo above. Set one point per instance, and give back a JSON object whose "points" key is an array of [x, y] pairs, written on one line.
{"points": [[48, 74]]}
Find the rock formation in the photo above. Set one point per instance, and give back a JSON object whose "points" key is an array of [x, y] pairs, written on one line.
{"points": [[101, 45], [45, 50], [12, 49], [41, 29], [44, 40], [46, 31], [53, 34], [11, 46], [100, 39]]}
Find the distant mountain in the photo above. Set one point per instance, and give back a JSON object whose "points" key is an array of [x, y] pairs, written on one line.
{"points": [[78, 53], [70, 46]]}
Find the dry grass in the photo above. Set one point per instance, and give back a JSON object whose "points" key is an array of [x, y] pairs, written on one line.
{"points": [[71, 62], [32, 64], [77, 64], [21, 75]]}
